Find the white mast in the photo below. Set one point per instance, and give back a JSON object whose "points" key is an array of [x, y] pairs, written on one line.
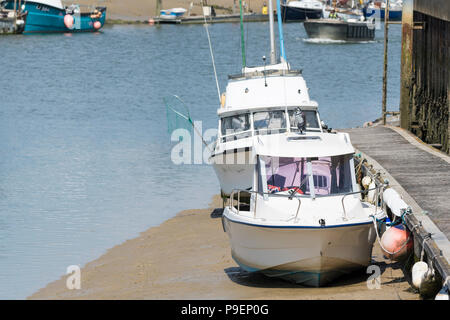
{"points": [[273, 55]]}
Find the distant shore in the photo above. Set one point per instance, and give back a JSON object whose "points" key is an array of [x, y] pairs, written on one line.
{"points": [[138, 11], [188, 257]]}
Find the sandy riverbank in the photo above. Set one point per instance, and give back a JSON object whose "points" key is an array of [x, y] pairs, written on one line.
{"points": [[188, 257], [142, 10]]}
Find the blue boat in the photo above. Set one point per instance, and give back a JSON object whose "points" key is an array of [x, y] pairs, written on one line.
{"points": [[395, 11], [52, 16]]}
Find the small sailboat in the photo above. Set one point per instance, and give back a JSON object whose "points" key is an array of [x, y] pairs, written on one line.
{"points": [[53, 16], [172, 14], [12, 21], [295, 210]]}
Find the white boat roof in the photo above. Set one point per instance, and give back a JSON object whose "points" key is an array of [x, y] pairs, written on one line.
{"points": [[53, 3], [285, 88], [306, 4], [306, 145]]}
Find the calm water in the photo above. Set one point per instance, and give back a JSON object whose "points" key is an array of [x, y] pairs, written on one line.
{"points": [[85, 152]]}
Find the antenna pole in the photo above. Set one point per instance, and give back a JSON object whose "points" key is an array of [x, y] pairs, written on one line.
{"points": [[280, 31], [273, 55], [242, 34], [212, 55], [385, 65]]}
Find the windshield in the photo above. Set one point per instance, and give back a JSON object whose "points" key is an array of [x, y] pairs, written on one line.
{"points": [[269, 122], [236, 127], [311, 120], [330, 175]]}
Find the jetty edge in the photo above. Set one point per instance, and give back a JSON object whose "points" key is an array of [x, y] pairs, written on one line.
{"points": [[395, 154]]}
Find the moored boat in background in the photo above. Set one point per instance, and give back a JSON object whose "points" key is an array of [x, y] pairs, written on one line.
{"points": [[377, 10], [301, 10], [12, 21], [53, 16], [337, 29], [172, 14]]}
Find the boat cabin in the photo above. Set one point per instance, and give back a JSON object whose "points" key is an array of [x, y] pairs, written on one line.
{"points": [[264, 101], [314, 165]]}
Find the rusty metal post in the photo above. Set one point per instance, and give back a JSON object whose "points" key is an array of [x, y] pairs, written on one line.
{"points": [[385, 64], [158, 9], [406, 72]]}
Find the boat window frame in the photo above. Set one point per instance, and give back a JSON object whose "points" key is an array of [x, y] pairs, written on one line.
{"points": [[261, 184], [252, 132], [268, 131]]}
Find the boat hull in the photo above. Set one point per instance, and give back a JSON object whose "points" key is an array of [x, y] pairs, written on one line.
{"points": [[290, 14], [394, 15], [339, 30], [311, 256], [43, 18]]}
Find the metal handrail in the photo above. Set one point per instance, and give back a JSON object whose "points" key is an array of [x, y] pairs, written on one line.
{"points": [[291, 196], [359, 192]]}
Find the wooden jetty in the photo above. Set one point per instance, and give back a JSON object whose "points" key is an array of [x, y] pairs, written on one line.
{"points": [[220, 18], [424, 174]]}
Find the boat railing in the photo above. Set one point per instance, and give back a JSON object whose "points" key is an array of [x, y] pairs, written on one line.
{"points": [[262, 73], [289, 196], [378, 193], [378, 197]]}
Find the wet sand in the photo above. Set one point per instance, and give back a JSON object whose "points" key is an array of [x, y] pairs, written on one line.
{"points": [[188, 257]]}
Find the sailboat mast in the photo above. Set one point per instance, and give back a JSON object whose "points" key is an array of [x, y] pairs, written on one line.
{"points": [[280, 31], [15, 14], [242, 34], [273, 56]]}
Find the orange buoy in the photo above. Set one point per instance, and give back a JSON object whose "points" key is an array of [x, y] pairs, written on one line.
{"points": [[396, 243], [68, 21], [97, 25]]}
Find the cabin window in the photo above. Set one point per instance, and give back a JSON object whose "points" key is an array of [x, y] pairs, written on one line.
{"points": [[311, 120], [269, 122], [235, 127], [330, 175]]}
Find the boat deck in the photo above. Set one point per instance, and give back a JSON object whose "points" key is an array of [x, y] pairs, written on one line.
{"points": [[424, 175]]}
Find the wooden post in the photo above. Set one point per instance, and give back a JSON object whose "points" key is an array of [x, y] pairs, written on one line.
{"points": [[385, 65], [158, 9], [406, 81], [15, 15]]}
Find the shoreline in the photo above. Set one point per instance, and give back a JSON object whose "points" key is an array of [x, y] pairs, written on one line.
{"points": [[188, 257]]}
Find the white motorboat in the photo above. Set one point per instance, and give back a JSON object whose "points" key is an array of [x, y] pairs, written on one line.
{"points": [[172, 14], [305, 221], [259, 101], [299, 214]]}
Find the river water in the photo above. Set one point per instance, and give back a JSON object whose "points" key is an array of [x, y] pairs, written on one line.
{"points": [[85, 151]]}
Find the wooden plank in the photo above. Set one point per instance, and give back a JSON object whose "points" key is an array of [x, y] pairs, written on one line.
{"points": [[424, 176]]}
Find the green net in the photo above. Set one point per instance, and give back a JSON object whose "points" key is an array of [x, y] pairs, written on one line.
{"points": [[177, 113]]}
